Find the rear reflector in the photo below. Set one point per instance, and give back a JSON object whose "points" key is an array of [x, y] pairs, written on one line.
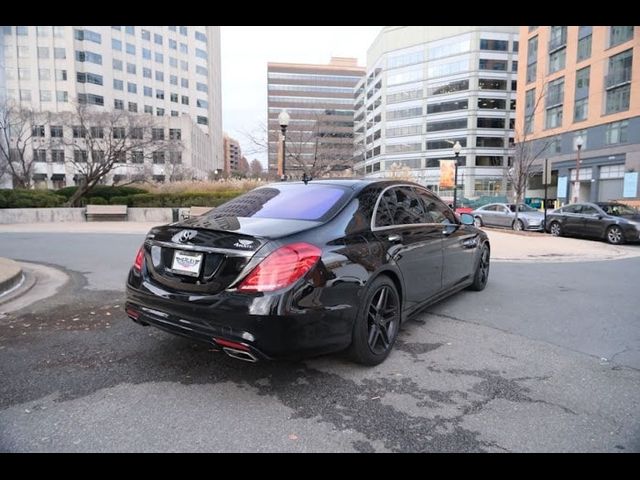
{"points": [[281, 268], [227, 343], [132, 313]]}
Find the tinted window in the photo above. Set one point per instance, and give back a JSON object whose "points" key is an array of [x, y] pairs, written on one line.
{"points": [[399, 206], [572, 209], [587, 210], [490, 208], [435, 209], [287, 202]]}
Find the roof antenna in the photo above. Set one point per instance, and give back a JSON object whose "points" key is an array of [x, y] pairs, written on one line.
{"points": [[305, 178]]}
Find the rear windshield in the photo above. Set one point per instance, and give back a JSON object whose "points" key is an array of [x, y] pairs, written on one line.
{"points": [[286, 202]]}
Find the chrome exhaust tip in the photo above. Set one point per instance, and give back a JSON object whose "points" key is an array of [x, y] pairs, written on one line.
{"points": [[240, 354]]}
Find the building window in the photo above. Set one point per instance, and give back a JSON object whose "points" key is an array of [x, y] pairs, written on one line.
{"points": [[202, 70], [59, 53], [618, 35], [185, 100], [159, 57], [486, 123], [97, 132], [173, 97], [173, 44], [183, 30], [203, 120], [617, 132], [157, 39], [498, 45], [175, 134], [159, 76], [557, 60], [132, 87], [133, 107], [90, 99], [118, 132], [514, 65], [131, 68], [532, 71], [146, 34], [201, 87], [82, 56], [118, 104], [160, 94], [146, 54], [580, 110], [80, 156], [93, 78], [137, 156], [618, 99], [57, 156], [557, 37], [62, 96], [43, 52], [157, 133], [201, 36], [45, 95], [555, 92], [584, 48], [148, 109], [184, 83], [492, 84], [554, 117], [130, 30], [37, 131], [158, 157], [174, 113], [173, 79], [116, 44], [445, 143], [117, 64], [160, 112], [146, 72], [490, 142], [148, 92], [55, 131], [118, 84], [492, 103]]}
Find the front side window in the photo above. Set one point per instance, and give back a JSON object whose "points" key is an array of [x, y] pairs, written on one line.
{"points": [[399, 206], [435, 209]]}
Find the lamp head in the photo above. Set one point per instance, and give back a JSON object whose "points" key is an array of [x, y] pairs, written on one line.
{"points": [[579, 142], [456, 148], [283, 119]]}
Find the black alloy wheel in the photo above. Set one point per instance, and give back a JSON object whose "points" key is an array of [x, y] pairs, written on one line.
{"points": [[481, 277], [378, 323]]}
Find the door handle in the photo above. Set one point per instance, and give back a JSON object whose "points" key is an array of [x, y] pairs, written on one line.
{"points": [[394, 238]]}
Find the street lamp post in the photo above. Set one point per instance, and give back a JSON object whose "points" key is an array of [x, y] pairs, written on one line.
{"points": [[456, 150], [576, 185], [283, 120]]}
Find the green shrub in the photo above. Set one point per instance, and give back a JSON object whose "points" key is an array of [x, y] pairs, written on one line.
{"points": [[30, 199], [97, 201], [104, 191], [120, 200]]}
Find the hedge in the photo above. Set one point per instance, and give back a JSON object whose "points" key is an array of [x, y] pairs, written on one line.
{"points": [[30, 199], [104, 191]]}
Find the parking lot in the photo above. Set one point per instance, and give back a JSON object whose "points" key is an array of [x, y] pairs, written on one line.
{"points": [[547, 358]]}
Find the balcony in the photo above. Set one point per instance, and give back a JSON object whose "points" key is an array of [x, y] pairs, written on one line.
{"points": [[618, 77]]}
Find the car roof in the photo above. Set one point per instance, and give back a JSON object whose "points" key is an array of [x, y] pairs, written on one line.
{"points": [[353, 183]]}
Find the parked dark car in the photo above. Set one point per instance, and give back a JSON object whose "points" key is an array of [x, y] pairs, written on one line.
{"points": [[504, 215], [611, 221], [294, 269]]}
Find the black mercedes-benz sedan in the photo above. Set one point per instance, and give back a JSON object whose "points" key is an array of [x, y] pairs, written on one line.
{"points": [[296, 269], [611, 221]]}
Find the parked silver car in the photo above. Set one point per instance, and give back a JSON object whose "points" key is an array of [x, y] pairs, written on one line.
{"points": [[504, 215]]}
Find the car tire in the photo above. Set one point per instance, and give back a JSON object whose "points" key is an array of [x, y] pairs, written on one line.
{"points": [[481, 275], [477, 221], [614, 235], [518, 225], [555, 229], [377, 324]]}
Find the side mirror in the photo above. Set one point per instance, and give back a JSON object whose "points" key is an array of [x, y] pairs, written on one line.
{"points": [[466, 219]]}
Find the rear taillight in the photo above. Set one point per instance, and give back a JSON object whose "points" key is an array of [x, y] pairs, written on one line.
{"points": [[281, 268], [137, 265]]}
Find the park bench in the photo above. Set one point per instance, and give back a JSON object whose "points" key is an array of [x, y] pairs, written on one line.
{"points": [[106, 212]]}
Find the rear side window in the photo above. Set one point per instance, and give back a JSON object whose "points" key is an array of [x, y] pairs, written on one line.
{"points": [[286, 202]]}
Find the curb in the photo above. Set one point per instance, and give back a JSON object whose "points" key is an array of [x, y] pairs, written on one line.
{"points": [[12, 278]]}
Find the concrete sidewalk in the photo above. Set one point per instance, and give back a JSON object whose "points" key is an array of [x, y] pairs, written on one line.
{"points": [[505, 244]]}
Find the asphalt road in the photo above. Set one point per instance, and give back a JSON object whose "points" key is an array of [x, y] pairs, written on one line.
{"points": [[547, 358]]}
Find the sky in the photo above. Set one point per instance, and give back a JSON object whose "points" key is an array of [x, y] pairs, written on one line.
{"points": [[245, 53]]}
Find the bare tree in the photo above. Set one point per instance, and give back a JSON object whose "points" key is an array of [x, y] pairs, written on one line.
{"points": [[320, 147], [256, 168], [104, 140], [17, 129], [525, 152]]}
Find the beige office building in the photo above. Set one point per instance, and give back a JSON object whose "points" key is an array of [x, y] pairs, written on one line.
{"points": [[581, 85], [319, 100]]}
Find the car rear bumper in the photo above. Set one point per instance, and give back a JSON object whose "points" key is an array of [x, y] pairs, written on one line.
{"points": [[263, 325]]}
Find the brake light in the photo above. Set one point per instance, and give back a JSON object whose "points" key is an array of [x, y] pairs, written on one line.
{"points": [[137, 265], [281, 268]]}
